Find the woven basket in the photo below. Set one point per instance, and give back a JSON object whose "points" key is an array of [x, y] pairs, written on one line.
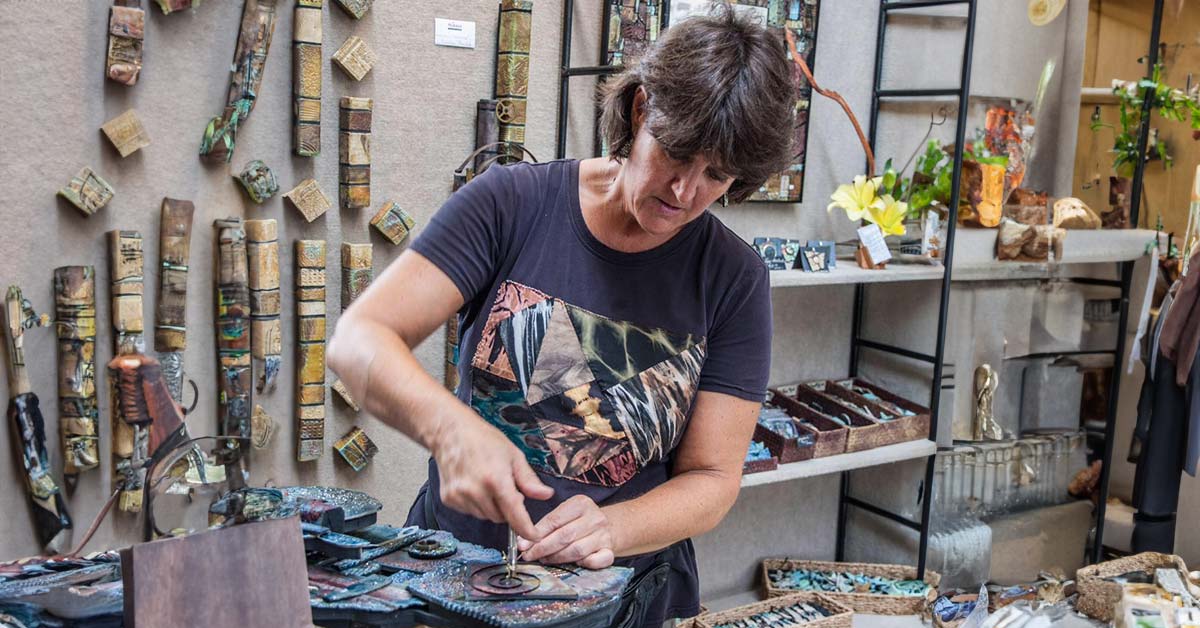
{"points": [[900, 429], [784, 448], [830, 436], [860, 602], [1098, 597], [842, 616], [758, 466], [864, 433]]}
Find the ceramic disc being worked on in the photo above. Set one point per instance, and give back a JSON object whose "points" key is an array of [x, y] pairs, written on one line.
{"points": [[530, 582]]}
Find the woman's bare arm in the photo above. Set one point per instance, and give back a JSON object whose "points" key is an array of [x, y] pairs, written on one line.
{"points": [[482, 473]]}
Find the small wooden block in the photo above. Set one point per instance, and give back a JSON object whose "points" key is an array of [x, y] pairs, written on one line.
{"points": [[394, 223], [87, 191], [356, 448], [356, 8], [309, 199], [126, 133], [259, 181], [343, 392], [355, 57], [170, 6]]}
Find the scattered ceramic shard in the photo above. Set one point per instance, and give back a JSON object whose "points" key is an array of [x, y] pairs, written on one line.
{"points": [[262, 428], [306, 77], [245, 80], [308, 198], [310, 343], [87, 191], [355, 8], [126, 133], [354, 152], [266, 330], [355, 57], [356, 448], [343, 392], [126, 30], [394, 223], [171, 6], [1072, 213], [259, 181]]}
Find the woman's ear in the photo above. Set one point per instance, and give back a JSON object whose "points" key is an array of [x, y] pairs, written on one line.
{"points": [[638, 115]]}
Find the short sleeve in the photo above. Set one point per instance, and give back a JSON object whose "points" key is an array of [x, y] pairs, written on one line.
{"points": [[466, 237], [739, 343]]}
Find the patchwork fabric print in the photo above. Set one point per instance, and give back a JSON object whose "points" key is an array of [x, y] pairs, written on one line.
{"points": [[584, 397], [654, 407]]}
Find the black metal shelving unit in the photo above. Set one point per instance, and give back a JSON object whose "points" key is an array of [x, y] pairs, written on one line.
{"points": [[858, 341]]}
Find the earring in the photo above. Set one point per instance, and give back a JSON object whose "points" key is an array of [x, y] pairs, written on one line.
{"points": [[724, 200]]}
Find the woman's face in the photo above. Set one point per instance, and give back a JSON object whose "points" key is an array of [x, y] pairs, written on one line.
{"points": [[665, 194]]}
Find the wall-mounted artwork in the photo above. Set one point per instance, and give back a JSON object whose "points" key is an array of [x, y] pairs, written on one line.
{"points": [[631, 26]]}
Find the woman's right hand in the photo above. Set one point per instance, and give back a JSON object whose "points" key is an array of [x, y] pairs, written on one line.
{"points": [[484, 475]]}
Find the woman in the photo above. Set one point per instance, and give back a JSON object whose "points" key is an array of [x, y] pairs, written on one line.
{"points": [[615, 335]]}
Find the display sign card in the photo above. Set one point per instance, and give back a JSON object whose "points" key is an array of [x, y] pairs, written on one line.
{"points": [[456, 33], [872, 240]]}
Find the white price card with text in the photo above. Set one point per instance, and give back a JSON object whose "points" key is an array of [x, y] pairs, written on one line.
{"points": [[457, 33], [871, 237]]}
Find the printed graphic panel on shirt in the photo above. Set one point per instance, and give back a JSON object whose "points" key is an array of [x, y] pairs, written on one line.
{"points": [[654, 407], [561, 365], [617, 350], [575, 452], [490, 354], [502, 404]]}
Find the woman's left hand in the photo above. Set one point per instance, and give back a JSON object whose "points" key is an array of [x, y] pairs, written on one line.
{"points": [[577, 531]]}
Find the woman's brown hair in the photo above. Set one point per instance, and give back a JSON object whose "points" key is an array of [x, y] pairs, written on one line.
{"points": [[717, 85]]}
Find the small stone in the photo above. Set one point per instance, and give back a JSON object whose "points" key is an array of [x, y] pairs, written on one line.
{"points": [[355, 57], [126, 133], [259, 181], [308, 198], [87, 191]]}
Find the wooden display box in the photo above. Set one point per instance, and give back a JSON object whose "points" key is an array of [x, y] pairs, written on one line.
{"points": [[829, 435], [758, 466], [842, 616], [864, 432], [784, 448], [1098, 597], [899, 430], [251, 574], [859, 602]]}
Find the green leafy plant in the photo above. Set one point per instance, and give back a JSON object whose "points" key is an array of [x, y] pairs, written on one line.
{"points": [[1171, 103]]}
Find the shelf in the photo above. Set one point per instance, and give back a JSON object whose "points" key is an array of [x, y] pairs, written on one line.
{"points": [[842, 462], [975, 261]]}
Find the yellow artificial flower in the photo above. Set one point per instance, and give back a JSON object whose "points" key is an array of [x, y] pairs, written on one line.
{"points": [[858, 197], [889, 215]]}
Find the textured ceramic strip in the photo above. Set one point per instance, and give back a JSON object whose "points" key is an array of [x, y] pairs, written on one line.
{"points": [[170, 328], [306, 77], [512, 68], [355, 8], [310, 343], [357, 273], [394, 223], [126, 133], [129, 442], [233, 335], [25, 415], [75, 326], [266, 333], [355, 57], [354, 152], [245, 79], [126, 30], [356, 448], [450, 373], [87, 191]]}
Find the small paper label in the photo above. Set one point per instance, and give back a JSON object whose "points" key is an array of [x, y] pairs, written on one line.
{"points": [[872, 238], [456, 33]]}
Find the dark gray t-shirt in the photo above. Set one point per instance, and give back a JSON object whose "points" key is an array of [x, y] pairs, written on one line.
{"points": [[588, 358]]}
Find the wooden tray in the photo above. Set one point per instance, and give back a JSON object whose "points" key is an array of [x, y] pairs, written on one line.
{"points": [[1098, 597], [829, 435], [784, 448], [864, 432], [842, 616], [860, 602], [758, 466], [899, 430]]}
